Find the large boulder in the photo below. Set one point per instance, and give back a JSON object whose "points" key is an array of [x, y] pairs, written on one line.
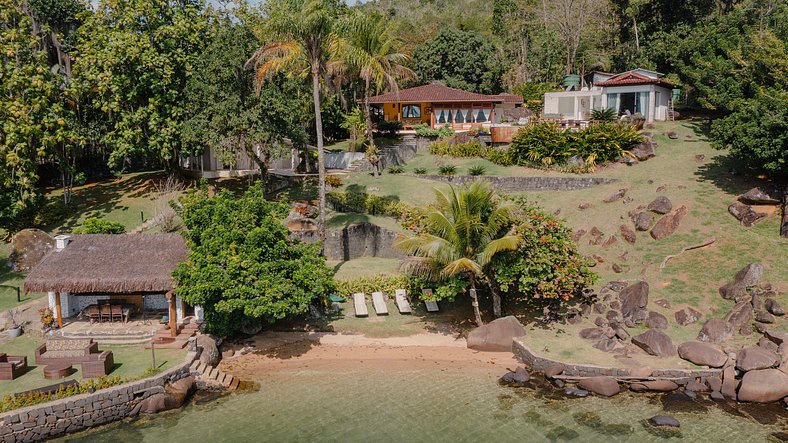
{"points": [[656, 343], [496, 336], [761, 196], [754, 357], [729, 382], [642, 221], [627, 234], [615, 196], [601, 385], [660, 205], [519, 377], [763, 386], [715, 331], [655, 320], [210, 354], [687, 316], [745, 214], [173, 397], [773, 307], [28, 247], [654, 385], [747, 276], [644, 150], [740, 314], [669, 223], [664, 420], [702, 354], [634, 299]]}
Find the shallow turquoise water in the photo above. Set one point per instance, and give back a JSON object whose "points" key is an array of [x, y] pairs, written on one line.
{"points": [[375, 404]]}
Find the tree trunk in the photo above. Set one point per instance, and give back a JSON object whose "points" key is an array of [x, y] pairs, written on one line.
{"points": [[496, 297], [475, 302], [637, 35], [321, 166], [368, 124]]}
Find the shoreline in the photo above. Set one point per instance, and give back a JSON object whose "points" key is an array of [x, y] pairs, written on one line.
{"points": [[286, 351]]}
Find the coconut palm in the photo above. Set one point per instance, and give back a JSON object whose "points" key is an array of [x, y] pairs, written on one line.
{"points": [[372, 50], [304, 33], [467, 228]]}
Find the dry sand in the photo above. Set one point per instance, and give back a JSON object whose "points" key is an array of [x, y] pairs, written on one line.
{"points": [[287, 351]]}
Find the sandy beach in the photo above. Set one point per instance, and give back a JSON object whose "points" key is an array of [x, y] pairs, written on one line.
{"points": [[286, 351]]}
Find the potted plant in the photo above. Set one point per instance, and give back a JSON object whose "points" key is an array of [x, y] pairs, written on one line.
{"points": [[47, 318], [15, 323]]}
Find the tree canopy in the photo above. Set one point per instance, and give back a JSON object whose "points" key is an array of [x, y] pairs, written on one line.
{"points": [[243, 266]]}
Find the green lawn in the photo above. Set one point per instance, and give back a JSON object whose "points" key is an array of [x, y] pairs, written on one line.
{"points": [[130, 362], [10, 281]]}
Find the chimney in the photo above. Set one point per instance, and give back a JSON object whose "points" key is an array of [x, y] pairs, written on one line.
{"points": [[61, 241]]}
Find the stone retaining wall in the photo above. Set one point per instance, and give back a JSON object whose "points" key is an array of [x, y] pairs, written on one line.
{"points": [[358, 240], [79, 412], [523, 184], [537, 363]]}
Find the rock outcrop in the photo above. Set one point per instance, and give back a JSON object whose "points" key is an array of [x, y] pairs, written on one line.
{"points": [[761, 196], [496, 336], [687, 316], [210, 354], [660, 205], [763, 386], [754, 357], [655, 320], [745, 214], [643, 221], [669, 223], [634, 299], [602, 385], [656, 343], [702, 354], [747, 276], [715, 331]]}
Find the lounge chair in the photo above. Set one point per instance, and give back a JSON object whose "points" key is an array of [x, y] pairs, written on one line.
{"points": [[360, 304], [431, 305], [106, 313], [402, 301], [117, 313], [379, 303]]}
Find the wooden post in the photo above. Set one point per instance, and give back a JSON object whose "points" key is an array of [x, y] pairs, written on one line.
{"points": [[58, 310], [173, 315]]}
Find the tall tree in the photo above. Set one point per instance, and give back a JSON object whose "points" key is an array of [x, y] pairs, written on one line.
{"points": [[467, 228], [32, 115], [374, 53], [134, 59], [302, 34], [571, 19], [224, 112]]}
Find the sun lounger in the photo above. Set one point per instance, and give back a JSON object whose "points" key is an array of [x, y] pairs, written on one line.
{"points": [[402, 301], [360, 304], [431, 305], [379, 303]]}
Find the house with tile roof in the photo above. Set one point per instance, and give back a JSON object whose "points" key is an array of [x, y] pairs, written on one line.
{"points": [[438, 105], [639, 91]]}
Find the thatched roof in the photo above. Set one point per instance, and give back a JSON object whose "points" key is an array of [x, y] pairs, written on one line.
{"points": [[109, 263]]}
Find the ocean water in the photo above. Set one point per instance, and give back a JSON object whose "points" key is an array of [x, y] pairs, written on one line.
{"points": [[376, 403]]}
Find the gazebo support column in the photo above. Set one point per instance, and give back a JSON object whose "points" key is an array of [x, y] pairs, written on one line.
{"points": [[173, 315], [58, 310]]}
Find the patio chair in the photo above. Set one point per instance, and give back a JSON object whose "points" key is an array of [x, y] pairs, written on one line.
{"points": [[117, 312], [402, 301], [94, 314], [360, 304], [106, 313], [379, 303]]}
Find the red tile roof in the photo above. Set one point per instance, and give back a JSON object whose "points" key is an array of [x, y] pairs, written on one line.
{"points": [[437, 92], [633, 78]]}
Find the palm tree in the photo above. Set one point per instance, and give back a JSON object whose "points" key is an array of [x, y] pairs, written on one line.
{"points": [[303, 33], [372, 50], [467, 228]]}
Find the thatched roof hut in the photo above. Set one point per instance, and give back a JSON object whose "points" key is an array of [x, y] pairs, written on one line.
{"points": [[110, 264]]}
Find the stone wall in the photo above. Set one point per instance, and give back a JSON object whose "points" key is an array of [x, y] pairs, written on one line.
{"points": [[538, 363], [354, 241], [523, 184], [79, 412]]}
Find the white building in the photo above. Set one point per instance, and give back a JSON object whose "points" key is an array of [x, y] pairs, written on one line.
{"points": [[638, 91]]}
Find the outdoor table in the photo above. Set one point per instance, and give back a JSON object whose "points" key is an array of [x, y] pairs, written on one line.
{"points": [[57, 370]]}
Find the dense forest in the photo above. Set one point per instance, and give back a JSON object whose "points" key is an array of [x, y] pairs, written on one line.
{"points": [[95, 88]]}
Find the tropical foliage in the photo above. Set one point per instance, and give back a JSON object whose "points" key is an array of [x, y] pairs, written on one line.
{"points": [[243, 267], [462, 235], [94, 225]]}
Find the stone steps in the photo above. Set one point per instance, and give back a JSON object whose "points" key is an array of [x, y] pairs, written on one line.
{"points": [[211, 374]]}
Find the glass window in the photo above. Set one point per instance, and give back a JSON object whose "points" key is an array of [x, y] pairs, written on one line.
{"points": [[458, 116], [480, 116], [411, 111]]}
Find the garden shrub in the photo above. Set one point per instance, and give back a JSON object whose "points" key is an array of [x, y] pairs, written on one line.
{"points": [[472, 148], [546, 144], [499, 156], [420, 171], [11, 402], [363, 203], [547, 269], [333, 181], [447, 170], [95, 225], [386, 283], [396, 169], [390, 127], [477, 170], [423, 130]]}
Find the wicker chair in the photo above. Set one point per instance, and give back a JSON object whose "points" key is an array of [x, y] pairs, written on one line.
{"points": [[117, 312], [94, 314], [12, 366], [106, 313]]}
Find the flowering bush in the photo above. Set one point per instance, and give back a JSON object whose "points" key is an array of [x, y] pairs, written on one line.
{"points": [[333, 181]]}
